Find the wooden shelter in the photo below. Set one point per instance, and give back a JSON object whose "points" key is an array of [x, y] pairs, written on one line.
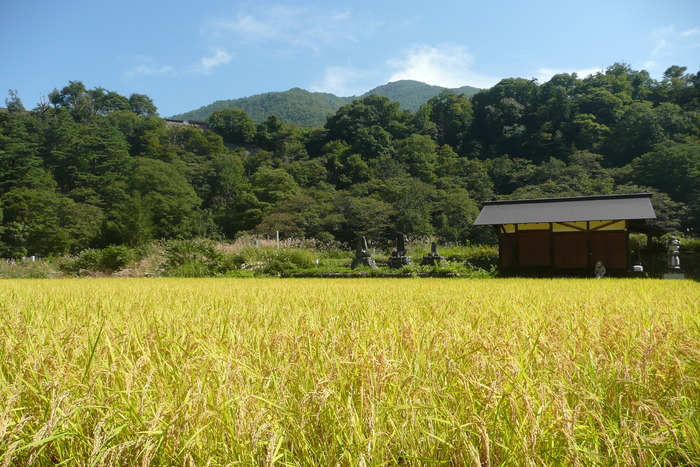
{"points": [[567, 235]]}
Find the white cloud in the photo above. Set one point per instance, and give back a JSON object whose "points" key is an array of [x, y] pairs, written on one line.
{"points": [[206, 65], [446, 65], [669, 41], [149, 70], [343, 81], [248, 27], [661, 39], [305, 28]]}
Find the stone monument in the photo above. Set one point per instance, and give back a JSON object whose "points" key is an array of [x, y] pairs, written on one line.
{"points": [[398, 256], [433, 258], [674, 260], [362, 256]]}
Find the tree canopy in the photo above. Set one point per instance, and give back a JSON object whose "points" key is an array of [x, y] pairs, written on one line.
{"points": [[91, 168]]}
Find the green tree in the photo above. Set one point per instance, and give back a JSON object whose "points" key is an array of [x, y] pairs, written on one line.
{"points": [[105, 102], [604, 105], [673, 168], [677, 86], [412, 202], [502, 115], [462, 172], [454, 215], [20, 152], [233, 204], [75, 98], [307, 173], [642, 126], [418, 155], [169, 202], [586, 133], [370, 111], [52, 223], [372, 142], [13, 102], [141, 104], [509, 174], [452, 115], [234, 125], [368, 217], [273, 185], [310, 214]]}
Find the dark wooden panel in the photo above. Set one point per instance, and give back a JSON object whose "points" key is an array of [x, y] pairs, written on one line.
{"points": [[610, 248], [505, 249], [571, 250], [534, 248]]}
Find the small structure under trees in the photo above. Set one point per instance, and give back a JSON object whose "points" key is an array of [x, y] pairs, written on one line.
{"points": [[567, 235]]}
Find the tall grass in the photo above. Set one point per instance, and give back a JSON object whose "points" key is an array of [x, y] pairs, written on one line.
{"points": [[349, 372]]}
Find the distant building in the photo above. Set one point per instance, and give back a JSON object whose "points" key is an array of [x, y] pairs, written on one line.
{"points": [[195, 123], [567, 235]]}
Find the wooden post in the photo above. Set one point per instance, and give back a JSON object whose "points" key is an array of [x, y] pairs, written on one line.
{"points": [[650, 253]]}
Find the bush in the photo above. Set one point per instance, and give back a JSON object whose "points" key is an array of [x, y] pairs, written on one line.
{"points": [[27, 269], [107, 260], [283, 261], [191, 258], [115, 257], [87, 260], [273, 261]]}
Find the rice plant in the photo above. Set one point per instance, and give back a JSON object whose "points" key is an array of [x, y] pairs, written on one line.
{"points": [[349, 372]]}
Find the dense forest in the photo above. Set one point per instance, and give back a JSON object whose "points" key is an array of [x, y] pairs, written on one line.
{"points": [[88, 168]]}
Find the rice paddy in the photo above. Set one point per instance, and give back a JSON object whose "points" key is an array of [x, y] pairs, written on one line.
{"points": [[349, 372]]}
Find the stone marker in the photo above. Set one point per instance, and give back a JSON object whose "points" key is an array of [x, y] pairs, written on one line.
{"points": [[433, 258], [398, 257], [362, 256]]}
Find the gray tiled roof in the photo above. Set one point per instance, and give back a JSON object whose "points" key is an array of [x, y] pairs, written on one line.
{"points": [[582, 208]]}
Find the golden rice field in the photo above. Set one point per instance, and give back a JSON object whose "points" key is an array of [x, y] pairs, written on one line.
{"points": [[349, 372]]}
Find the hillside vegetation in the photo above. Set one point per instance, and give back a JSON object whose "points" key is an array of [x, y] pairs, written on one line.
{"points": [[296, 106], [305, 108], [90, 168]]}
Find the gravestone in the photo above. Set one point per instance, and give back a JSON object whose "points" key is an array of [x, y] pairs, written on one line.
{"points": [[433, 258], [398, 257], [362, 255]]}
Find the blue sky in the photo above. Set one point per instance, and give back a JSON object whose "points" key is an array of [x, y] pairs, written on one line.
{"points": [[186, 54]]}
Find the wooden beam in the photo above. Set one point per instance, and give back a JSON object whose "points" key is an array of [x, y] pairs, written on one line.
{"points": [[607, 224], [571, 226]]}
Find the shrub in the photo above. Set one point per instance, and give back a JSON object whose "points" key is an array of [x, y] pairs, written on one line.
{"points": [[273, 261], [87, 260], [191, 258], [107, 260], [277, 262], [115, 257], [26, 269]]}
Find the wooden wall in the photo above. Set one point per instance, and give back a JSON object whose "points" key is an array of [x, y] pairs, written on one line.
{"points": [[573, 250]]}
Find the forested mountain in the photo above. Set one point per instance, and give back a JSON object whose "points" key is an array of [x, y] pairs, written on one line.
{"points": [[91, 168], [305, 108], [412, 94], [296, 106]]}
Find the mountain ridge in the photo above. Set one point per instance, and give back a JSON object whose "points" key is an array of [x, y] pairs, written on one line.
{"points": [[306, 108]]}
